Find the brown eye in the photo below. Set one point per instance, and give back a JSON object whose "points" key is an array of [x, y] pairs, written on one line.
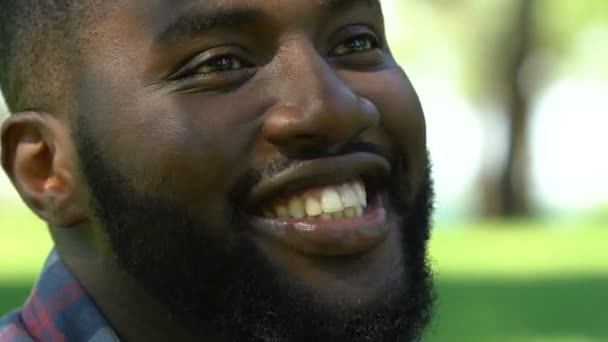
{"points": [[357, 44], [220, 64]]}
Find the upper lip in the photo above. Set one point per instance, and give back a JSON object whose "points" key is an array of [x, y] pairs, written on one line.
{"points": [[372, 168]]}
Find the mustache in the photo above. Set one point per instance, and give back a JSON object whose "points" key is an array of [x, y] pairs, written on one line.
{"points": [[282, 163]]}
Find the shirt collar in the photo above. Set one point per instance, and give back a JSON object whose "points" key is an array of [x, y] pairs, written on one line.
{"points": [[59, 308]]}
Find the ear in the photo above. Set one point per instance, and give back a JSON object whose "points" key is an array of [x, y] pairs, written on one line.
{"points": [[38, 155]]}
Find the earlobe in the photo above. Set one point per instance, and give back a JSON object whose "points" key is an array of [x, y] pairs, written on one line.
{"points": [[37, 155]]}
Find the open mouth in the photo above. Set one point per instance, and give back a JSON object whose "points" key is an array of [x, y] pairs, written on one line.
{"points": [[325, 207], [344, 200]]}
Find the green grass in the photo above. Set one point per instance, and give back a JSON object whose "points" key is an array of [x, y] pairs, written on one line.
{"points": [[497, 282], [522, 249], [549, 309], [24, 244]]}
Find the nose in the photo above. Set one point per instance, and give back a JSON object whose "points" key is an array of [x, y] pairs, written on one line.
{"points": [[316, 110]]}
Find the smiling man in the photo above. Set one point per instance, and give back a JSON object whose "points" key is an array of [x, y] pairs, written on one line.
{"points": [[216, 170]]}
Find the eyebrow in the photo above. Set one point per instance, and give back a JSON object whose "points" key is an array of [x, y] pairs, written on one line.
{"points": [[336, 5], [193, 23]]}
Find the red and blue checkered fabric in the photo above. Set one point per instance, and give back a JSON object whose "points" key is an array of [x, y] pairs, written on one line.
{"points": [[58, 309]]}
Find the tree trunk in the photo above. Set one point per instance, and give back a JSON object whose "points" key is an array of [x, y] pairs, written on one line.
{"points": [[506, 195]]}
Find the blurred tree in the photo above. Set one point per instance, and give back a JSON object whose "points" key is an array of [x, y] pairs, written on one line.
{"points": [[506, 193], [501, 55], [537, 44]]}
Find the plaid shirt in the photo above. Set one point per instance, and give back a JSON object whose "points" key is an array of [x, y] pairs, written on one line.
{"points": [[58, 309]]}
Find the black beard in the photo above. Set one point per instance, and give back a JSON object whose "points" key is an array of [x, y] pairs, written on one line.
{"points": [[226, 284]]}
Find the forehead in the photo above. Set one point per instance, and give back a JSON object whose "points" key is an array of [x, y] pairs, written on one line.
{"points": [[290, 10], [274, 5], [128, 29], [145, 23]]}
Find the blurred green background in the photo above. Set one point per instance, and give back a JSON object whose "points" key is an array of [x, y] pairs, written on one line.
{"points": [[516, 98]]}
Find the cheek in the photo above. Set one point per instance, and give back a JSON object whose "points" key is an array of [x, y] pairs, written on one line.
{"points": [[402, 119], [175, 148], [187, 149]]}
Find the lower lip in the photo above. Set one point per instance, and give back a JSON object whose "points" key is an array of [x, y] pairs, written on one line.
{"points": [[336, 237]]}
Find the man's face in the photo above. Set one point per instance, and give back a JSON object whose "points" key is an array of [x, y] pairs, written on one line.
{"points": [[259, 165]]}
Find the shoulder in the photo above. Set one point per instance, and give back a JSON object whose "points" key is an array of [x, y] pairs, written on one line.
{"points": [[12, 329]]}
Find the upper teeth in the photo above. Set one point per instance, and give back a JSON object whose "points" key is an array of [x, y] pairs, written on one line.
{"points": [[345, 200]]}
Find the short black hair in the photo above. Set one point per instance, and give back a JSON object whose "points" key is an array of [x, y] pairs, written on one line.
{"points": [[34, 50]]}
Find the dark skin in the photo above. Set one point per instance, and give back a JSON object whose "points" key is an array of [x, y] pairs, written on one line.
{"points": [[184, 111]]}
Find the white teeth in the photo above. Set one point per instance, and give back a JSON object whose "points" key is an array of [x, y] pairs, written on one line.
{"points": [[345, 201], [313, 207], [296, 208], [282, 211], [350, 212], [330, 201], [348, 196], [361, 195], [325, 216]]}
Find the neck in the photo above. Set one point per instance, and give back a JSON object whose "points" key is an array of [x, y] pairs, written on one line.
{"points": [[130, 309]]}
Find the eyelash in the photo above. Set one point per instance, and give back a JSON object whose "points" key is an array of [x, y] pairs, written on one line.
{"points": [[209, 62], [374, 43]]}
